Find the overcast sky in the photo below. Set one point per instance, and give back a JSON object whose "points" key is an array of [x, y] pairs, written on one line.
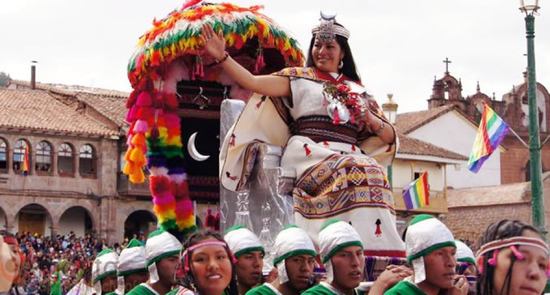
{"points": [[398, 45]]}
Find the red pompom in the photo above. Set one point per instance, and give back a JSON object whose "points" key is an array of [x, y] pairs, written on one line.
{"points": [[159, 184], [144, 99], [181, 191], [144, 113], [131, 99], [171, 101]]}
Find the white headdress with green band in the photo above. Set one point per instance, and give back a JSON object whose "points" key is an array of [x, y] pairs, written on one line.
{"points": [[291, 241], [160, 244], [130, 261], [334, 236], [241, 240], [425, 234], [105, 264], [464, 253]]}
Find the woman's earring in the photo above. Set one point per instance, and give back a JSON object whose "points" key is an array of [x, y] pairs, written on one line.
{"points": [[341, 64]]}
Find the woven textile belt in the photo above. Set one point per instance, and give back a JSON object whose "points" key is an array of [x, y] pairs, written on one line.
{"points": [[321, 128]]}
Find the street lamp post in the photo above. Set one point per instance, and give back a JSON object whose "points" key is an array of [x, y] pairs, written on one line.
{"points": [[529, 7]]}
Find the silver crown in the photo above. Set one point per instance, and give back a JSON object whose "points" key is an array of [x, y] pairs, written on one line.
{"points": [[327, 30]]}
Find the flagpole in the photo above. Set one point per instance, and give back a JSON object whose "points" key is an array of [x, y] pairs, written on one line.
{"points": [[518, 137]]}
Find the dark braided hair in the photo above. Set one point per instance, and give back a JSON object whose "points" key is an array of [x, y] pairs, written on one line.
{"points": [[496, 231], [349, 69], [197, 237]]}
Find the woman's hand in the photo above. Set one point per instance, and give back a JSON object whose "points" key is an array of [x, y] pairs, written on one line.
{"points": [[377, 126], [214, 44]]}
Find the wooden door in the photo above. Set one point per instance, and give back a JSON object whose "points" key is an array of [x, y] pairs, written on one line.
{"points": [[33, 223]]}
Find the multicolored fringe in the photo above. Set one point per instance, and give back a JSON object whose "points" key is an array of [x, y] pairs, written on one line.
{"points": [[156, 132], [179, 34], [154, 137]]}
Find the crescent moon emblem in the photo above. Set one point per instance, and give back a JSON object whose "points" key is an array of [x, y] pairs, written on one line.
{"points": [[193, 149]]}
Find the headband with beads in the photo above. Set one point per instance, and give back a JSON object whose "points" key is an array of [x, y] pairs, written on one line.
{"points": [[495, 246], [327, 29], [204, 244]]}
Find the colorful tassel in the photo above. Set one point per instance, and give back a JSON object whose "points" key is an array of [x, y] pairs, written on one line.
{"points": [[480, 261], [336, 117], [154, 132], [518, 254], [493, 261], [141, 126], [308, 151], [138, 176], [131, 116], [138, 140], [144, 99], [259, 61], [262, 99], [233, 178]]}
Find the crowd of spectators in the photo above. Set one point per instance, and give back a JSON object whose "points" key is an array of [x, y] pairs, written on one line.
{"points": [[58, 262]]}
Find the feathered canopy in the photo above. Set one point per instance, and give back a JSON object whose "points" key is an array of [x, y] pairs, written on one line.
{"points": [[179, 34], [170, 52]]}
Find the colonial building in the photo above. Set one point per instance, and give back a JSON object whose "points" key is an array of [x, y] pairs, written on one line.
{"points": [[513, 108], [449, 128], [73, 138]]}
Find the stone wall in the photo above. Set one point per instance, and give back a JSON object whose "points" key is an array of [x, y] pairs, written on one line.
{"points": [[469, 223], [514, 160]]}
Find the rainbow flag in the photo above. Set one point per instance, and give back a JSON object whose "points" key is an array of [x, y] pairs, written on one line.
{"points": [[417, 194], [492, 130], [26, 165]]}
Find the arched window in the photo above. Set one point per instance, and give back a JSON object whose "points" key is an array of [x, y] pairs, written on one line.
{"points": [[65, 160], [20, 151], [44, 161], [3, 155], [87, 161]]}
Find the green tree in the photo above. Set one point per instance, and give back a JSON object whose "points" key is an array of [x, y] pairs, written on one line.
{"points": [[4, 79]]}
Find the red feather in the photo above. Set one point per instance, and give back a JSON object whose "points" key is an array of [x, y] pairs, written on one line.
{"points": [[190, 3]]}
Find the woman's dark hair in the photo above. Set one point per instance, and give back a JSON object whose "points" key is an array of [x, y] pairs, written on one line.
{"points": [[496, 231], [349, 68], [197, 237]]}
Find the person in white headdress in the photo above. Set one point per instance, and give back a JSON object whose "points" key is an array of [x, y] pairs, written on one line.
{"points": [[431, 250], [467, 265], [294, 260], [131, 267], [249, 252], [104, 271], [162, 252], [341, 251]]}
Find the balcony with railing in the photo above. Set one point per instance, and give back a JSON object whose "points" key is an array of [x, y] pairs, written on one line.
{"points": [[437, 203]]}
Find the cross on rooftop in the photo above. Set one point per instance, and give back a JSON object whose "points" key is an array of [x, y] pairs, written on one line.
{"points": [[447, 62]]}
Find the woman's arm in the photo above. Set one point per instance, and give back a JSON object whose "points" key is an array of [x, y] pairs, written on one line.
{"points": [[269, 85], [379, 127]]}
